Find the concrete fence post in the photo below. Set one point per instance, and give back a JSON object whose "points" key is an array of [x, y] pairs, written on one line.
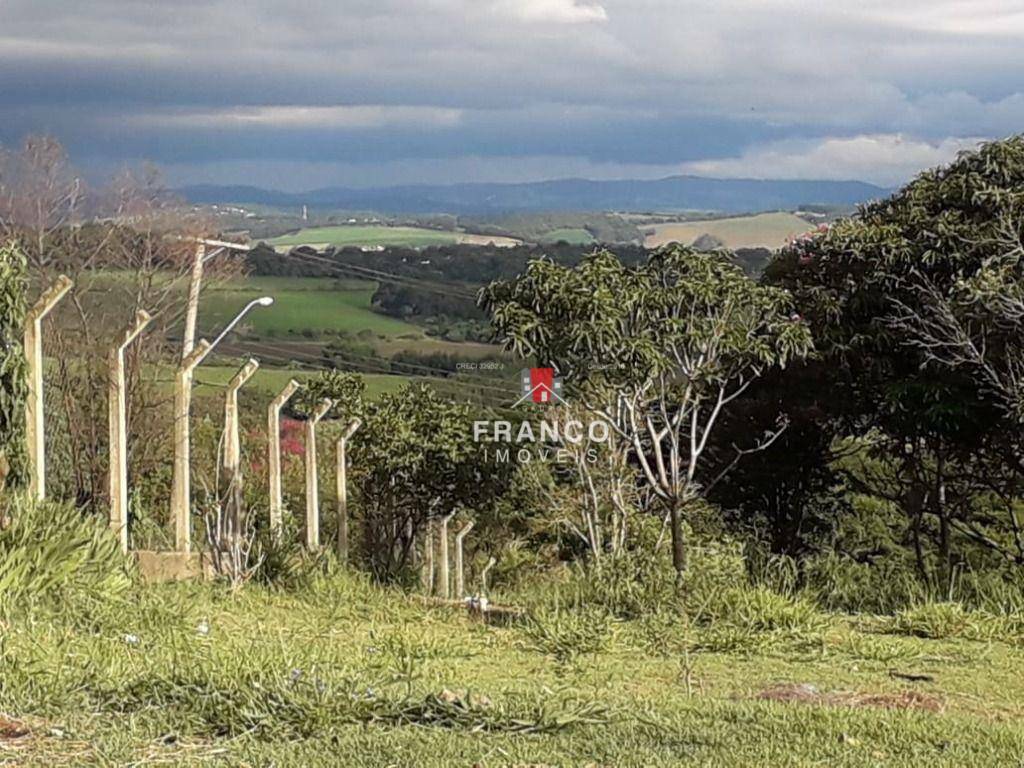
{"points": [[312, 489], [341, 488], [35, 430], [274, 453], [427, 569], [443, 580], [460, 572], [232, 439], [483, 576], [118, 426], [181, 490]]}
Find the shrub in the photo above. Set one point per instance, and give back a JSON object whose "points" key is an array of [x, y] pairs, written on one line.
{"points": [[51, 555], [758, 609], [932, 620], [568, 634]]}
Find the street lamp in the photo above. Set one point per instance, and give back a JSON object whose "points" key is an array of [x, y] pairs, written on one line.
{"points": [[181, 490], [262, 301]]}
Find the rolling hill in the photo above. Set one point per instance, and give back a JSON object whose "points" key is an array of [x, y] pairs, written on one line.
{"points": [[674, 193]]}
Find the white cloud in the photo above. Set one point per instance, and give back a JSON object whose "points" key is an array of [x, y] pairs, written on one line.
{"points": [[344, 117], [552, 11], [886, 159]]}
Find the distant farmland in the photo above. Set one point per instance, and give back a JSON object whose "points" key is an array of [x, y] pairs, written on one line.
{"points": [[373, 236], [765, 230], [303, 305]]}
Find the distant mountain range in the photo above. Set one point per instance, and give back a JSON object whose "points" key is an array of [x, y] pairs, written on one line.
{"points": [[674, 193]]}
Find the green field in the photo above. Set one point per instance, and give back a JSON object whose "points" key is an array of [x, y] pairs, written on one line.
{"points": [[314, 305], [373, 236], [341, 673], [765, 230], [576, 236]]}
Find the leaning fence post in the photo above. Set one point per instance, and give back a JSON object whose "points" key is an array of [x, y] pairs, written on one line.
{"points": [[341, 488], [274, 452], [460, 574], [483, 576], [35, 430], [312, 490], [119, 431], [442, 545]]}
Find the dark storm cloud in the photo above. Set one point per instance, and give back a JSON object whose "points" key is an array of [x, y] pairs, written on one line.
{"points": [[738, 88]]}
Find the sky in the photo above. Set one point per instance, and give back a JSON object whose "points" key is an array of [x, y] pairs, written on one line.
{"points": [[301, 95]]}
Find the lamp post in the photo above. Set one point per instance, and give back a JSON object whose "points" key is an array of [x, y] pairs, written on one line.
{"points": [[119, 432], [34, 423], [274, 452], [312, 489], [341, 486], [181, 490]]}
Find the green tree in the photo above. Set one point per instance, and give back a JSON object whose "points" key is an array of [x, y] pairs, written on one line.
{"points": [[415, 461], [658, 351], [915, 304], [345, 390]]}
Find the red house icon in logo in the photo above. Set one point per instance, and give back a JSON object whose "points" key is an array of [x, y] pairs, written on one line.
{"points": [[540, 385]]}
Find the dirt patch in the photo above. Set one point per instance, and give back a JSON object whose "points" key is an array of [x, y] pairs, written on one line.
{"points": [[12, 729], [809, 694]]}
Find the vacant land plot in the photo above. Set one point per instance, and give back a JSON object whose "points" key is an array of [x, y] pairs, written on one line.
{"points": [[372, 236], [339, 672], [301, 306], [765, 230]]}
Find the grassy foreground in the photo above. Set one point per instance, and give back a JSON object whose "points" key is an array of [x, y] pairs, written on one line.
{"points": [[341, 673]]}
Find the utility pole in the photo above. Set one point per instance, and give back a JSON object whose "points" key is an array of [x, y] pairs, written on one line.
{"points": [[195, 283], [274, 453], [118, 418], [312, 490], [232, 441], [341, 487], [35, 430], [460, 573], [181, 489], [442, 544]]}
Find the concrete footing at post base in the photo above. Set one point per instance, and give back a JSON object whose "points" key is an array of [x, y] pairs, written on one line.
{"points": [[157, 566]]}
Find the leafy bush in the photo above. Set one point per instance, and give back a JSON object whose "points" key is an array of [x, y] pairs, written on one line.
{"points": [[842, 584], [51, 555]]}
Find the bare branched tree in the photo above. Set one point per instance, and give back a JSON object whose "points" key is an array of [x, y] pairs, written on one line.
{"points": [[127, 247]]}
